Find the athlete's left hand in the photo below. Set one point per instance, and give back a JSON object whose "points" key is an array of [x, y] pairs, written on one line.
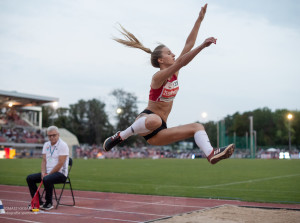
{"points": [[202, 12]]}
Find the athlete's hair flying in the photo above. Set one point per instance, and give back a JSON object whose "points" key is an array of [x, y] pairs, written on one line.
{"points": [[131, 41]]}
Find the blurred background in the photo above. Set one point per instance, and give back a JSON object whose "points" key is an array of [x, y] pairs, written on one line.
{"points": [[60, 66]]}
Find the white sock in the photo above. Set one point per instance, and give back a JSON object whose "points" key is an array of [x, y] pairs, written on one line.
{"points": [[203, 142], [137, 127]]}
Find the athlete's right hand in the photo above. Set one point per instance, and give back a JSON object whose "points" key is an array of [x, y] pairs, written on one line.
{"points": [[209, 41]]}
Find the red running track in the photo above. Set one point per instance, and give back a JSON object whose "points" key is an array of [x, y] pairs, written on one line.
{"points": [[110, 207]]}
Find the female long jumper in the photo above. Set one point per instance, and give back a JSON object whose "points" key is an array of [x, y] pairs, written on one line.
{"points": [[151, 123]]}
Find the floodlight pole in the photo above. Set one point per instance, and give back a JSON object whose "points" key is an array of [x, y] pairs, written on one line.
{"points": [[255, 143], [290, 116], [246, 140], [251, 135], [290, 144], [40, 119], [234, 138], [218, 135], [223, 133]]}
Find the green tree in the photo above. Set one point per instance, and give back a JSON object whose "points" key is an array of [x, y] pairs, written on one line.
{"points": [[89, 121], [48, 113], [263, 123], [238, 123], [211, 130], [62, 120], [271, 127], [126, 103], [98, 123], [295, 125], [281, 127], [78, 120]]}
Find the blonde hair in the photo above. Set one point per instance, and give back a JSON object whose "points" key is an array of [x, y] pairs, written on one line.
{"points": [[131, 41]]}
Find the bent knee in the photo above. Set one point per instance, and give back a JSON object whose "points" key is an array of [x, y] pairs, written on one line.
{"points": [[153, 122], [197, 127], [29, 178]]}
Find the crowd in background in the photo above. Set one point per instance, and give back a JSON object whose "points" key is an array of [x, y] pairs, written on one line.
{"points": [[15, 129], [22, 135], [157, 152], [151, 152], [154, 152]]}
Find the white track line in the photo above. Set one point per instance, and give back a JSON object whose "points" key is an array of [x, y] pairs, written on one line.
{"points": [[249, 181], [232, 183], [114, 219], [117, 200], [58, 213], [14, 192], [126, 212], [141, 202], [16, 201], [17, 219], [64, 214], [96, 209]]}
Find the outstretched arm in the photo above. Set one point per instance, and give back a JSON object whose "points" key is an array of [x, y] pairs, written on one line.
{"points": [[161, 76], [190, 42]]}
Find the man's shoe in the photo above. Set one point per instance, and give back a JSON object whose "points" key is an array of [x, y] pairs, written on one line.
{"points": [[112, 141], [221, 153], [47, 206]]}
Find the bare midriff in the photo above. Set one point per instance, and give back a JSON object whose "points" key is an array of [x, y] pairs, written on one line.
{"points": [[162, 109]]}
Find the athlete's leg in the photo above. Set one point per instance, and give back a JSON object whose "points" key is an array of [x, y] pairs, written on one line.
{"points": [[143, 125], [178, 133], [175, 134]]}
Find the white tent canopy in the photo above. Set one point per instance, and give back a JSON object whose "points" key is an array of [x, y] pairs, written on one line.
{"points": [[69, 138]]}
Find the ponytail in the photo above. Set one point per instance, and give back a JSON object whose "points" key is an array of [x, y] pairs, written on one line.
{"points": [[131, 41]]}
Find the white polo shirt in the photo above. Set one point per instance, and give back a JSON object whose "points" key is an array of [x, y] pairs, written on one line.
{"points": [[53, 152]]}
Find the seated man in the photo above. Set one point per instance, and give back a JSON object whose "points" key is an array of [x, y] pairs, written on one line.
{"points": [[54, 168]]}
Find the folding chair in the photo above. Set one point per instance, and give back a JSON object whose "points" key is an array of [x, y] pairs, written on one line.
{"points": [[68, 181]]}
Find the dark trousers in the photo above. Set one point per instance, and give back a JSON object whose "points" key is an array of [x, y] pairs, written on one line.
{"points": [[48, 182]]}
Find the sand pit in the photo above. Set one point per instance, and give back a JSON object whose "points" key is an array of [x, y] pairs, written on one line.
{"points": [[234, 214]]}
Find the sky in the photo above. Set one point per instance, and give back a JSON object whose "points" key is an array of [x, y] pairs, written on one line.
{"points": [[64, 49]]}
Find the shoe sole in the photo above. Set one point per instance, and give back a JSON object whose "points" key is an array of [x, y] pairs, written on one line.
{"points": [[106, 150], [104, 145], [223, 155]]}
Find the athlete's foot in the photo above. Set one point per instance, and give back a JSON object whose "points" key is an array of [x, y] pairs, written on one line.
{"points": [[112, 141], [221, 153]]}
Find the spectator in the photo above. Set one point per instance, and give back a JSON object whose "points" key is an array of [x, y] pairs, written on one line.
{"points": [[54, 167]]}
